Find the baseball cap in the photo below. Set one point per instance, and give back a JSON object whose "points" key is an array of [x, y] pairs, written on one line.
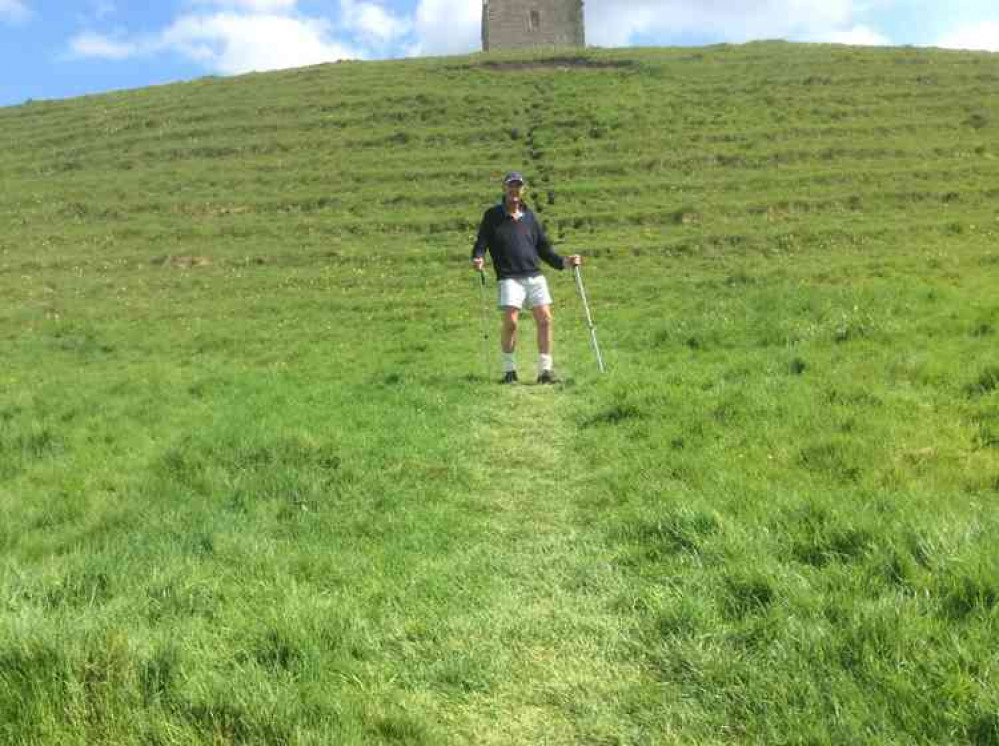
{"points": [[514, 176]]}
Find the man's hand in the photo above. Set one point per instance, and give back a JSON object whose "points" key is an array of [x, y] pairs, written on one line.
{"points": [[478, 263], [575, 260]]}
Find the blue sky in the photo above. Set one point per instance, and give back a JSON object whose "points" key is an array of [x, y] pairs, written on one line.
{"points": [[55, 49]]}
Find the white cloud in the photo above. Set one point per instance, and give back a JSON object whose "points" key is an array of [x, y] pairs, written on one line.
{"points": [[254, 6], [447, 27], [232, 43], [228, 42], [858, 36], [619, 22], [13, 11], [372, 23], [984, 36], [90, 44]]}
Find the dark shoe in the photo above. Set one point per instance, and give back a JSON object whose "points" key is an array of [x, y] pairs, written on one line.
{"points": [[548, 376], [509, 377]]}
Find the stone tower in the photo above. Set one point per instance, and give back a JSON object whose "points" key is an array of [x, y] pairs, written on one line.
{"points": [[521, 24]]}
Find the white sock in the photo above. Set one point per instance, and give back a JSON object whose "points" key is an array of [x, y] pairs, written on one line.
{"points": [[545, 362], [509, 362]]}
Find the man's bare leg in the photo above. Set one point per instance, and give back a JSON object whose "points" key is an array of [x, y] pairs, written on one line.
{"points": [[508, 342], [508, 336], [543, 320]]}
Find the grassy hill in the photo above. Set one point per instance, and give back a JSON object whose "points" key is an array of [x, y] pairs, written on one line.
{"points": [[256, 487]]}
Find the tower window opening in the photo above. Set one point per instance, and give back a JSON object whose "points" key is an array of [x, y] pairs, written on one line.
{"points": [[534, 21]]}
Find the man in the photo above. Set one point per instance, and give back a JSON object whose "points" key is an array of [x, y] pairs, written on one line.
{"points": [[516, 241]]}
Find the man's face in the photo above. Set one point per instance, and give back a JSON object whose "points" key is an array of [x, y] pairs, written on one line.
{"points": [[514, 191]]}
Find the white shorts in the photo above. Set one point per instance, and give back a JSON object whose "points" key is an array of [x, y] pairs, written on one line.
{"points": [[515, 291]]}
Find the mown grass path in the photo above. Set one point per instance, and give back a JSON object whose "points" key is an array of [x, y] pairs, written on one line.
{"points": [[564, 652]]}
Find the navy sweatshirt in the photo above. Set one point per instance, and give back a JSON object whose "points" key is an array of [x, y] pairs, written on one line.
{"points": [[514, 245]]}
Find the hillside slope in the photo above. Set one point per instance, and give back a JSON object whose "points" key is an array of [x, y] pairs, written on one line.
{"points": [[256, 485], [761, 146]]}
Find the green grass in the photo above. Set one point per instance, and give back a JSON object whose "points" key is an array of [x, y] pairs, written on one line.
{"points": [[254, 486]]}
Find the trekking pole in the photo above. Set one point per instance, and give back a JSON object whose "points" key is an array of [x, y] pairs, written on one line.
{"points": [[589, 319], [485, 324]]}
